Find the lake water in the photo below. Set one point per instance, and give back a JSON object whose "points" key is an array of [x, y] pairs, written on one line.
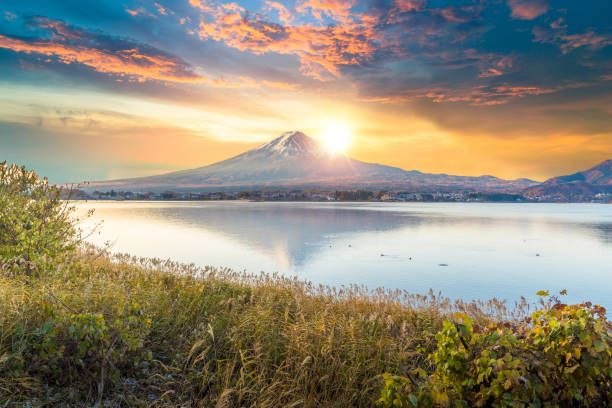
{"points": [[466, 250]]}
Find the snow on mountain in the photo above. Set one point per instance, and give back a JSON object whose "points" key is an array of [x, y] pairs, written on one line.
{"points": [[292, 144], [295, 160]]}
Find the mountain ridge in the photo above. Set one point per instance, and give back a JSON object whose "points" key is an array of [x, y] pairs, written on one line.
{"points": [[586, 183], [295, 160]]}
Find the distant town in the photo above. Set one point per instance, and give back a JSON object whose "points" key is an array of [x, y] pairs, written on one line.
{"points": [[337, 195]]}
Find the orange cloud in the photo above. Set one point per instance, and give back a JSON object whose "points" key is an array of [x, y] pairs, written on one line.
{"points": [[501, 65], [339, 10], [409, 5], [59, 29], [588, 39], [476, 96], [139, 11], [125, 62], [322, 50], [284, 15], [248, 82], [279, 85], [569, 42], [119, 57], [527, 9], [161, 9], [483, 96]]}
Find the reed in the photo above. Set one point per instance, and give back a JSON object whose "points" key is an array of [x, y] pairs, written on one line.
{"points": [[214, 337]]}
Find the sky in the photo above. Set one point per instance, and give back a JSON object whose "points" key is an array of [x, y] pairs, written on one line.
{"points": [[95, 90]]}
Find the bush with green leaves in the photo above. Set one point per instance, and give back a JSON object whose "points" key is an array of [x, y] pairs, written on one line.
{"points": [[561, 357], [36, 224], [85, 351]]}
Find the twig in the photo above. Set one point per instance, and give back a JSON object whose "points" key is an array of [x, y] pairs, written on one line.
{"points": [[61, 301], [461, 338]]}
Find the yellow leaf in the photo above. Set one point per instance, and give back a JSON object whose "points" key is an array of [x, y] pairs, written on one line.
{"points": [[570, 370], [542, 293]]}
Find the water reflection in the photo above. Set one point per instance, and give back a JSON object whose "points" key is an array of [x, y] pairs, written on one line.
{"points": [[504, 250]]}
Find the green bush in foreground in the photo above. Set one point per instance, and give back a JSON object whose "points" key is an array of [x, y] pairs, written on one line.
{"points": [[35, 223], [557, 358]]}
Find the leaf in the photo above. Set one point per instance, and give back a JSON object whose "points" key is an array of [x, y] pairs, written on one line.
{"points": [[569, 370], [542, 293], [563, 292], [599, 346], [414, 400]]}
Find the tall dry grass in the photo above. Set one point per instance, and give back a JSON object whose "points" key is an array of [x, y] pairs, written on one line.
{"points": [[215, 337]]}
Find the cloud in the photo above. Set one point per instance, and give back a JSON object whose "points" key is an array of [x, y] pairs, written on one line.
{"points": [[139, 11], [405, 50], [558, 23], [493, 65], [339, 10], [486, 95], [322, 50], [588, 39], [409, 5], [330, 36], [527, 9], [161, 9], [105, 54], [458, 14], [475, 95], [284, 15], [569, 42]]}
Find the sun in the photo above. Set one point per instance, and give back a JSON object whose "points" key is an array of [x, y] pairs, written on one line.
{"points": [[336, 137]]}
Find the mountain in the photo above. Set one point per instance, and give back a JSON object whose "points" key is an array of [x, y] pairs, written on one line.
{"points": [[295, 160], [584, 185]]}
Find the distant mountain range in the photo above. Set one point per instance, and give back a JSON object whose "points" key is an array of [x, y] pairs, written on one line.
{"points": [[582, 185], [295, 160]]}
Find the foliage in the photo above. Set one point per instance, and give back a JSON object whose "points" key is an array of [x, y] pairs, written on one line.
{"points": [[90, 328], [213, 335], [357, 195], [561, 357], [35, 223], [82, 353]]}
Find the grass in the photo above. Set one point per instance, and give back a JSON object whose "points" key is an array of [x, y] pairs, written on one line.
{"points": [[214, 337], [80, 327]]}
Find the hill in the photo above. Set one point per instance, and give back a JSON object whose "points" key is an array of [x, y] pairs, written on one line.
{"points": [[582, 186]]}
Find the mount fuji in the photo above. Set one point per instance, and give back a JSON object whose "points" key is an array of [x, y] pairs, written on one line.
{"points": [[295, 160]]}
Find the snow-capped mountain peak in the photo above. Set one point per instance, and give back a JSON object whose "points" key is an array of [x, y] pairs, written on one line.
{"points": [[294, 160], [293, 143]]}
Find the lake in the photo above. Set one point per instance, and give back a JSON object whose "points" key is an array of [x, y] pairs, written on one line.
{"points": [[465, 250]]}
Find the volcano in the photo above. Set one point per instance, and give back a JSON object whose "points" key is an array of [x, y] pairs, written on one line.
{"points": [[296, 161]]}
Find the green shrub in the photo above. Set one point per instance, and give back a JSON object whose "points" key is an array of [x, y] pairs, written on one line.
{"points": [[82, 351], [35, 223], [556, 358]]}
